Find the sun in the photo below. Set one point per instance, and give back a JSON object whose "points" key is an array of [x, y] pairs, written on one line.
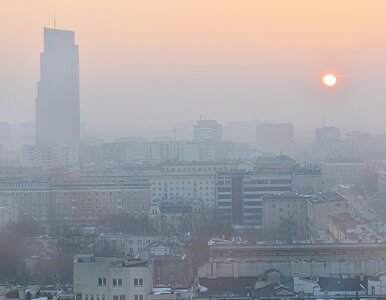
{"points": [[329, 79]]}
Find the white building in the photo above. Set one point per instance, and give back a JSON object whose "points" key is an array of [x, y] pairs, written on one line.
{"points": [[103, 278], [179, 180]]}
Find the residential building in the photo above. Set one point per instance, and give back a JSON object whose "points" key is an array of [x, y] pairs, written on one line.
{"points": [[185, 180], [76, 199], [31, 196], [8, 215], [103, 278], [178, 215], [285, 217], [123, 244], [319, 207], [92, 198], [172, 263]]}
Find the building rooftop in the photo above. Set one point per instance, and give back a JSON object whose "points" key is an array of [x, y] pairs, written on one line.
{"points": [[339, 284]]}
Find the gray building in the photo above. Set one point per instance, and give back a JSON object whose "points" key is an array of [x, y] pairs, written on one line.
{"points": [[207, 130], [111, 278], [239, 194], [57, 101]]}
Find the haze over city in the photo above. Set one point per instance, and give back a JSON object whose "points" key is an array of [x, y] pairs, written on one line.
{"points": [[192, 150], [152, 64]]}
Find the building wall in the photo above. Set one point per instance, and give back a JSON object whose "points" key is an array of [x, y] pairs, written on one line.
{"points": [[117, 279], [81, 200], [239, 194], [8, 215], [318, 211], [333, 268], [285, 209], [125, 244]]}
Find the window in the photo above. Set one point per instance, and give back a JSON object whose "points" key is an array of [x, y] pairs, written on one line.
{"points": [[138, 281], [119, 282], [115, 297], [101, 281], [122, 297], [115, 282], [138, 297], [86, 297]]}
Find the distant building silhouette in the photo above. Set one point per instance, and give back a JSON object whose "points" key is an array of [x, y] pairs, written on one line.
{"points": [[207, 130], [57, 101]]}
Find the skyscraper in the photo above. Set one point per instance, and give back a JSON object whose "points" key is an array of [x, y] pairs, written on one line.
{"points": [[57, 101]]}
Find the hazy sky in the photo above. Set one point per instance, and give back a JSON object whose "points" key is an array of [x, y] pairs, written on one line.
{"points": [[153, 63]]}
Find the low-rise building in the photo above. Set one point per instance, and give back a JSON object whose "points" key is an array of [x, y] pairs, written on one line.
{"points": [[103, 278], [172, 263], [285, 217], [177, 215], [319, 207], [8, 215], [123, 244]]}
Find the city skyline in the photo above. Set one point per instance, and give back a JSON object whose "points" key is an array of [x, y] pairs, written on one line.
{"points": [[226, 61]]}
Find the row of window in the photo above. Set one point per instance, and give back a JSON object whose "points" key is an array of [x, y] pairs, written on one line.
{"points": [[118, 281]]}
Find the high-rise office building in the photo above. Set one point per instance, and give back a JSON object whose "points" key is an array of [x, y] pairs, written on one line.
{"points": [[327, 134], [207, 130], [57, 101]]}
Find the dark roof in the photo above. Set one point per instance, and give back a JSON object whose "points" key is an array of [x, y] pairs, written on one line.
{"points": [[338, 284], [285, 287], [228, 285]]}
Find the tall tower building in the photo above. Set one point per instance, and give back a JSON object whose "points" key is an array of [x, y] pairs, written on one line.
{"points": [[57, 101]]}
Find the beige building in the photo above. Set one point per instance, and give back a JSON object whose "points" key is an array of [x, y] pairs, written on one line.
{"points": [[91, 199], [341, 260], [76, 199], [102, 278], [31, 197]]}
